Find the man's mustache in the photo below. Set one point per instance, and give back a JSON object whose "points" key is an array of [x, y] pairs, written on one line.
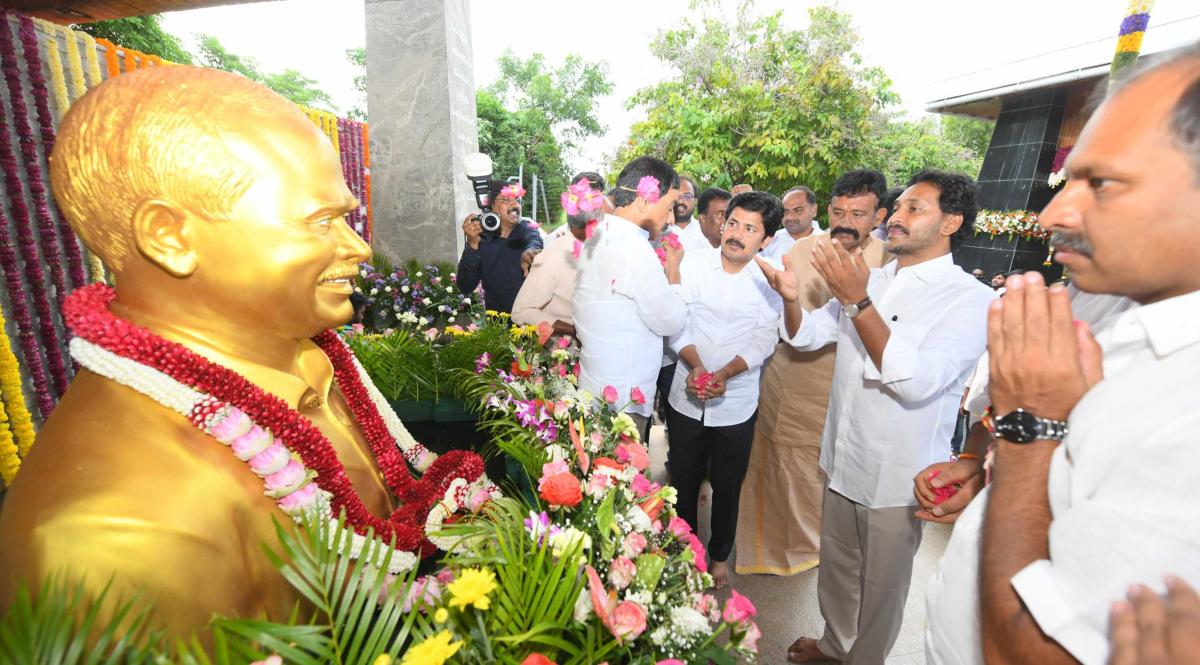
{"points": [[844, 230], [1072, 242], [734, 243]]}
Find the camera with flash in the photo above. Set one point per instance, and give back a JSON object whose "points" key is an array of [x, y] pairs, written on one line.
{"points": [[478, 169]]}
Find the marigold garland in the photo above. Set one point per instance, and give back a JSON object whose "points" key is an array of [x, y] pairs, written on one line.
{"points": [[93, 60], [12, 393], [10, 462], [58, 80], [110, 57], [78, 83]]}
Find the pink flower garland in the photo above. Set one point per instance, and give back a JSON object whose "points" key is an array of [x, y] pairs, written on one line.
{"points": [[28, 246], [41, 96], [360, 186]]}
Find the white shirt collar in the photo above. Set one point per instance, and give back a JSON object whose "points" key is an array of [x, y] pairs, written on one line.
{"points": [[1171, 324], [926, 271], [622, 225]]}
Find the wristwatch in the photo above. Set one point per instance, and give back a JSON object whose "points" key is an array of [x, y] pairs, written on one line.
{"points": [[1021, 426], [855, 309]]}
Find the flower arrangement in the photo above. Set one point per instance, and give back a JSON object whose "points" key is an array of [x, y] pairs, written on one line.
{"points": [[646, 572], [1058, 174], [415, 296], [1013, 223]]}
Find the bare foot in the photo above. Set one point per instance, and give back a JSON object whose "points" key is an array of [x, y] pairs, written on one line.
{"points": [[720, 574], [804, 650]]}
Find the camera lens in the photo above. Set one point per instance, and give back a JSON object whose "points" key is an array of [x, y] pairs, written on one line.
{"points": [[490, 222]]}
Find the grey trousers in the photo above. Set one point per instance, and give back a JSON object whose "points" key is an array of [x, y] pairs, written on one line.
{"points": [[866, 566]]}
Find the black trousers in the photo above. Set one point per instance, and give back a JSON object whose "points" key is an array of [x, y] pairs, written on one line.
{"points": [[721, 454], [666, 376]]}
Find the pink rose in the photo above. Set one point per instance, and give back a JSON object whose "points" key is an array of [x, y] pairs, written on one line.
{"points": [[553, 469], [634, 544], [739, 609], [706, 604], [750, 639], [598, 484], [289, 475], [700, 557], [621, 572], [635, 454], [640, 486], [610, 394], [564, 342], [629, 620], [270, 460], [679, 528], [300, 500], [637, 397]]}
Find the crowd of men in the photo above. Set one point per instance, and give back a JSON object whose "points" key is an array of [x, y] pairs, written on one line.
{"points": [[815, 378]]}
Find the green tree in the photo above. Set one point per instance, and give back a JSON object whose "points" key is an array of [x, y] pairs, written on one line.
{"points": [[522, 138], [754, 102], [358, 58], [901, 148], [141, 33], [289, 83], [565, 97]]}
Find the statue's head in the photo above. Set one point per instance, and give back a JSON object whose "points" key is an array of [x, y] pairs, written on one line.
{"points": [[206, 192]]}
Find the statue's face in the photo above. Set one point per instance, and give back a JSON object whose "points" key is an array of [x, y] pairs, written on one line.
{"points": [[286, 262]]}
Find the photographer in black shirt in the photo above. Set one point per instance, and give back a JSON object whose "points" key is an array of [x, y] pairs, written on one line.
{"points": [[499, 257]]}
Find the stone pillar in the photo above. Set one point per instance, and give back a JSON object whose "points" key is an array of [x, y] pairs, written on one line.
{"points": [[421, 105]]}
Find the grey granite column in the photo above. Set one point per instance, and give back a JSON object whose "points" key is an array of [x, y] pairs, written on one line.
{"points": [[421, 106]]}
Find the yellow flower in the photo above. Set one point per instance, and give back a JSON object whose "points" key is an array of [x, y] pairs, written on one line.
{"points": [[441, 615], [492, 312], [383, 659], [433, 651], [472, 587]]}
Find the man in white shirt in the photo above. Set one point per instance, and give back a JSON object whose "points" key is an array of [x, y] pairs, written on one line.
{"points": [[733, 314], [710, 210], [624, 303], [1095, 469], [799, 222], [549, 287], [908, 336]]}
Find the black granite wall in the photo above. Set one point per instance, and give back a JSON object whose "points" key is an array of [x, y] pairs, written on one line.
{"points": [[1013, 177]]}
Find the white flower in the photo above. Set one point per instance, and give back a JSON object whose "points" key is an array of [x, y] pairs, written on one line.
{"points": [[638, 519], [557, 452], [659, 636], [449, 289], [466, 301], [623, 424], [387, 289], [374, 292], [362, 273], [567, 539], [423, 322], [688, 621], [427, 301], [404, 289], [640, 597], [420, 274], [451, 319], [583, 606]]}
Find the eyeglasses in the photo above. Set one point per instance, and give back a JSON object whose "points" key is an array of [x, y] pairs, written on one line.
{"points": [[687, 197]]}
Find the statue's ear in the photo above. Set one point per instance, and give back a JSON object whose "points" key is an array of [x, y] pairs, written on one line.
{"points": [[160, 231]]}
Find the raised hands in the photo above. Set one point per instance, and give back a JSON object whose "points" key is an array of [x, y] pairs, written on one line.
{"points": [[845, 273], [785, 282]]}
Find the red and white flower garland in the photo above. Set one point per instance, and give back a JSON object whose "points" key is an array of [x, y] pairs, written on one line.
{"points": [[297, 463]]}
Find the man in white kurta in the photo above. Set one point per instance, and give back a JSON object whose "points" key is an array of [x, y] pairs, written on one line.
{"points": [[908, 336]]}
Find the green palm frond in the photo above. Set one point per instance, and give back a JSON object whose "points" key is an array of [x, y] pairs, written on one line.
{"points": [[58, 625], [400, 364]]}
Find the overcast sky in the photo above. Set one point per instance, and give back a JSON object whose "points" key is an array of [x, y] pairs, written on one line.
{"points": [[917, 43]]}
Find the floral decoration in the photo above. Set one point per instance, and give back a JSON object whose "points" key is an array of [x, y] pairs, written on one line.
{"points": [[1013, 223]]}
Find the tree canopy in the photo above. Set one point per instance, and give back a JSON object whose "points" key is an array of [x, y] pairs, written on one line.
{"points": [[289, 83], [141, 33], [753, 101]]}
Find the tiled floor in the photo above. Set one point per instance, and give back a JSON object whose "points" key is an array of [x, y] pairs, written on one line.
{"points": [[787, 606]]}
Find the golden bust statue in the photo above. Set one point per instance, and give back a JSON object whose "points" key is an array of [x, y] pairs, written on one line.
{"points": [[219, 208]]}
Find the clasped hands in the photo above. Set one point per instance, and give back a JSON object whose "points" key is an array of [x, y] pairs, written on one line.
{"points": [[845, 273], [705, 385]]}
